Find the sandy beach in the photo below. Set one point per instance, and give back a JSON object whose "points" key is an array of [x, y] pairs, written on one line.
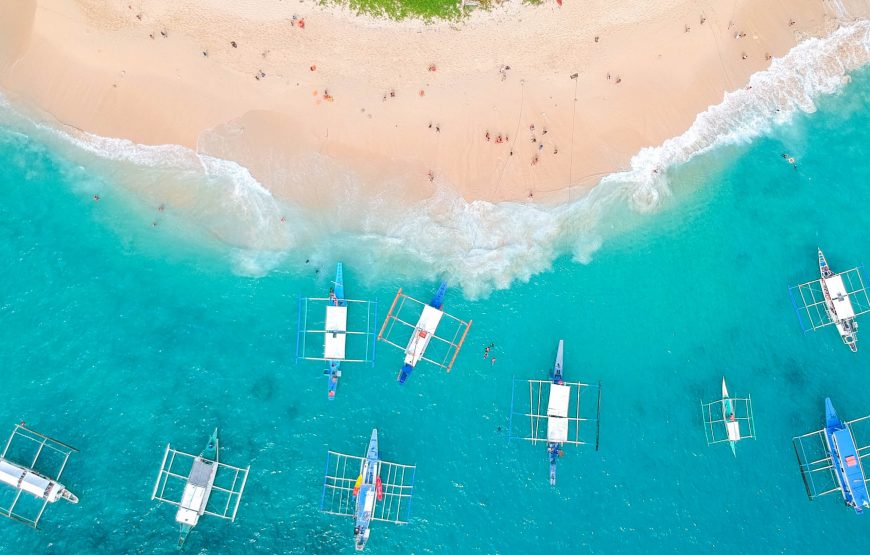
{"points": [[517, 103]]}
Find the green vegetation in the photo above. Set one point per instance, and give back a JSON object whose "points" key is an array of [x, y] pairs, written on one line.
{"points": [[401, 9]]}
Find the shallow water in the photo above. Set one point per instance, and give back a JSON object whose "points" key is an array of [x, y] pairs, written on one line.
{"points": [[120, 336]]}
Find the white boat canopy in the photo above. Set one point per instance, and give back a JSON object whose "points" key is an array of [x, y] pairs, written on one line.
{"points": [[34, 489], [839, 297], [335, 338], [557, 413]]}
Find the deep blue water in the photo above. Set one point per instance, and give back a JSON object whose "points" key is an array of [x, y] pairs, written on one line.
{"points": [[119, 336]]}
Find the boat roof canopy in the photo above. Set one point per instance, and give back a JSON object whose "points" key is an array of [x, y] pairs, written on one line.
{"points": [[335, 338], [839, 297], [560, 395]]}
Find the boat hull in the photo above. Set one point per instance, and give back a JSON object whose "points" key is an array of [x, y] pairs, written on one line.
{"points": [[845, 460]]}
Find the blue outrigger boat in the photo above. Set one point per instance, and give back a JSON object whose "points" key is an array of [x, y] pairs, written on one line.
{"points": [[554, 412], [834, 454], [367, 489], [554, 448], [424, 331], [846, 461], [335, 327], [426, 327], [336, 298]]}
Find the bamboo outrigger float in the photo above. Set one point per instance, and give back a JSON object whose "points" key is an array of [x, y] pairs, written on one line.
{"points": [[834, 456], [563, 415], [199, 485], [424, 331], [728, 419], [834, 298], [40, 486], [335, 331], [367, 489]]}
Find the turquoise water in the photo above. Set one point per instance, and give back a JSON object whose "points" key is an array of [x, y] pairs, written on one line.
{"points": [[120, 336]]}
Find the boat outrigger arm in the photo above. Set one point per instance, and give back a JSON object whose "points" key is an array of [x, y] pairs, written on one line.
{"points": [[199, 485], [336, 332], [834, 298], [376, 491], [424, 331], [23, 477], [842, 460]]}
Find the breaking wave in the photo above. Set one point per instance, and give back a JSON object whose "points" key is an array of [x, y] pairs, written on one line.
{"points": [[479, 245]]}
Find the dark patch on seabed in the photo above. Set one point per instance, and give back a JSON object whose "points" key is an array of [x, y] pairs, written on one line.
{"points": [[264, 388]]}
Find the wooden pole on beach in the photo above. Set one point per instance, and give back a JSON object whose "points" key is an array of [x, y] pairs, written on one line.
{"points": [[574, 76]]}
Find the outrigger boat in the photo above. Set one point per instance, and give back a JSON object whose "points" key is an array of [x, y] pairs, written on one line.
{"points": [[563, 417], [23, 477], [367, 488], [335, 331], [424, 331], [842, 460], [367, 497], [730, 412], [838, 305], [835, 298], [199, 485]]}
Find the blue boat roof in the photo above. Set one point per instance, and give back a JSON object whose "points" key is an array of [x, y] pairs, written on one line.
{"points": [[851, 464]]}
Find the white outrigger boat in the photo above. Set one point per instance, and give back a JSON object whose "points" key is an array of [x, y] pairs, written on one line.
{"points": [[424, 331], [41, 487], [367, 489], [833, 456], [563, 417], [335, 331], [197, 475], [835, 298], [731, 414]]}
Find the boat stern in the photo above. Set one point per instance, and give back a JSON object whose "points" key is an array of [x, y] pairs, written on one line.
{"points": [[360, 537]]}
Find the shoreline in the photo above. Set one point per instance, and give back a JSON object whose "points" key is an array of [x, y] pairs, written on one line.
{"points": [[94, 67]]}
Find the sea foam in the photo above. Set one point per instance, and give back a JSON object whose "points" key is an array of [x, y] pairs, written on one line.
{"points": [[479, 245]]}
